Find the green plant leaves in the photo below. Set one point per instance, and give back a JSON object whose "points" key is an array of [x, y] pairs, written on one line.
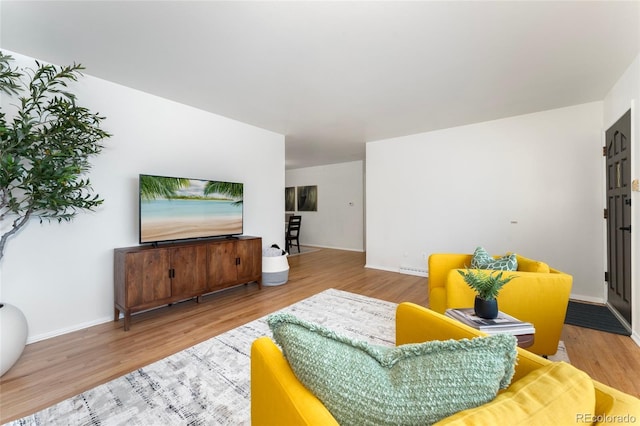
{"points": [[45, 148], [487, 284]]}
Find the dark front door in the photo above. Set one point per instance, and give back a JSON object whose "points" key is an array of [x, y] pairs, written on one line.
{"points": [[618, 151]]}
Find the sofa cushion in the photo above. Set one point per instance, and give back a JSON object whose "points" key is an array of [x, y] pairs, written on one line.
{"points": [[360, 383], [530, 265], [483, 260], [556, 394]]}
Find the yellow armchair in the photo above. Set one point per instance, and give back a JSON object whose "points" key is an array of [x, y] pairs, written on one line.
{"points": [[278, 398], [538, 295]]}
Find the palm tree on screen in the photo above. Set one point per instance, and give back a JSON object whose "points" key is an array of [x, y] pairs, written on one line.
{"points": [[230, 189], [153, 187]]}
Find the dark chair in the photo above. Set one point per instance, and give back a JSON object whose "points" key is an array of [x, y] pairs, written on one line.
{"points": [[293, 232]]}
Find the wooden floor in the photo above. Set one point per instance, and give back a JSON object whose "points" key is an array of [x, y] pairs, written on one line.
{"points": [[58, 368]]}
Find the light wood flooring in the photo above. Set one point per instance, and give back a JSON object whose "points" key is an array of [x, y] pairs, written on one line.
{"points": [[58, 368]]}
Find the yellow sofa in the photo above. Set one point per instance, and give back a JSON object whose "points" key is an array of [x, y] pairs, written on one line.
{"points": [[537, 395], [538, 295]]}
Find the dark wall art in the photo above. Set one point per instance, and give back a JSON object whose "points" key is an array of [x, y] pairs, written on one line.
{"points": [[308, 198], [290, 199]]}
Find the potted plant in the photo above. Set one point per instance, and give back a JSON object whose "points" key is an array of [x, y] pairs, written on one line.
{"points": [[487, 285], [45, 147]]}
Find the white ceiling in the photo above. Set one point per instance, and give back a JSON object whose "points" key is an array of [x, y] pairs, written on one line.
{"points": [[334, 75]]}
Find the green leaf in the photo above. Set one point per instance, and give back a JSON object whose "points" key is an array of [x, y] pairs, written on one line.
{"points": [[487, 284]]}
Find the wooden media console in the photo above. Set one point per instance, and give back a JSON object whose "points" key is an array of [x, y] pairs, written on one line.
{"points": [[147, 277]]}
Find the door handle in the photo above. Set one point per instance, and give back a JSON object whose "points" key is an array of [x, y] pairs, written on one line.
{"points": [[625, 228]]}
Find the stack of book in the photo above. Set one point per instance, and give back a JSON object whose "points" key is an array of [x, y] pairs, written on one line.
{"points": [[502, 324]]}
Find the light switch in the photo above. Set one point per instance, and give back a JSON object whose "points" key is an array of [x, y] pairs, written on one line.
{"points": [[635, 185]]}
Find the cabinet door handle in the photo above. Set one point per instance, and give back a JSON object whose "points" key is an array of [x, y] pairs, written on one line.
{"points": [[237, 260], [172, 273]]}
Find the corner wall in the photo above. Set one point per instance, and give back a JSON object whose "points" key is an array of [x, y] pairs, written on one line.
{"points": [[61, 275], [339, 221], [531, 184]]}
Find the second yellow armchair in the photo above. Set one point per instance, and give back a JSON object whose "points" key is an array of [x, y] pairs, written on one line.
{"points": [[539, 295]]}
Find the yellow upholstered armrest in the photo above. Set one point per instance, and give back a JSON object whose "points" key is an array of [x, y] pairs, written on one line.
{"points": [[417, 324], [614, 407], [277, 397], [557, 394], [441, 263], [439, 266]]}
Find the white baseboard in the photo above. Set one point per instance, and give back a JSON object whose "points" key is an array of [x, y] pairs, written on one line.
{"points": [[332, 247], [381, 268], [406, 270], [412, 270], [61, 331], [583, 298]]}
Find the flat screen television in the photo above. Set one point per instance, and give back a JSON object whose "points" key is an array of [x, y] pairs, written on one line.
{"points": [[174, 208]]}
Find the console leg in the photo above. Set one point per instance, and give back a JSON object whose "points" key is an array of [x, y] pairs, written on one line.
{"points": [[127, 321]]}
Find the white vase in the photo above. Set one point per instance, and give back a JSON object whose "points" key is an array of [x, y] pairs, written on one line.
{"points": [[13, 336]]}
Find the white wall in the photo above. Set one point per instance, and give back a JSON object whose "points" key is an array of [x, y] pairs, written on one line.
{"points": [[339, 221], [61, 275], [625, 94], [531, 184]]}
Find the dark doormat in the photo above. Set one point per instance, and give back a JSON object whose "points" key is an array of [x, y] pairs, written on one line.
{"points": [[596, 317]]}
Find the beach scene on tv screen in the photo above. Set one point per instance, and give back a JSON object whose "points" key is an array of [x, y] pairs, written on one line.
{"points": [[177, 208]]}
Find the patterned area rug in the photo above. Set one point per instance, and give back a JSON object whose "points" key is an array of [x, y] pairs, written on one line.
{"points": [[209, 383]]}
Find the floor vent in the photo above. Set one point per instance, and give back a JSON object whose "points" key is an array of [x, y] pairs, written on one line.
{"points": [[410, 270]]}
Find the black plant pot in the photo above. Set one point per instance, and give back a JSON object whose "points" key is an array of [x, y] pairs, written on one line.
{"points": [[487, 309]]}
